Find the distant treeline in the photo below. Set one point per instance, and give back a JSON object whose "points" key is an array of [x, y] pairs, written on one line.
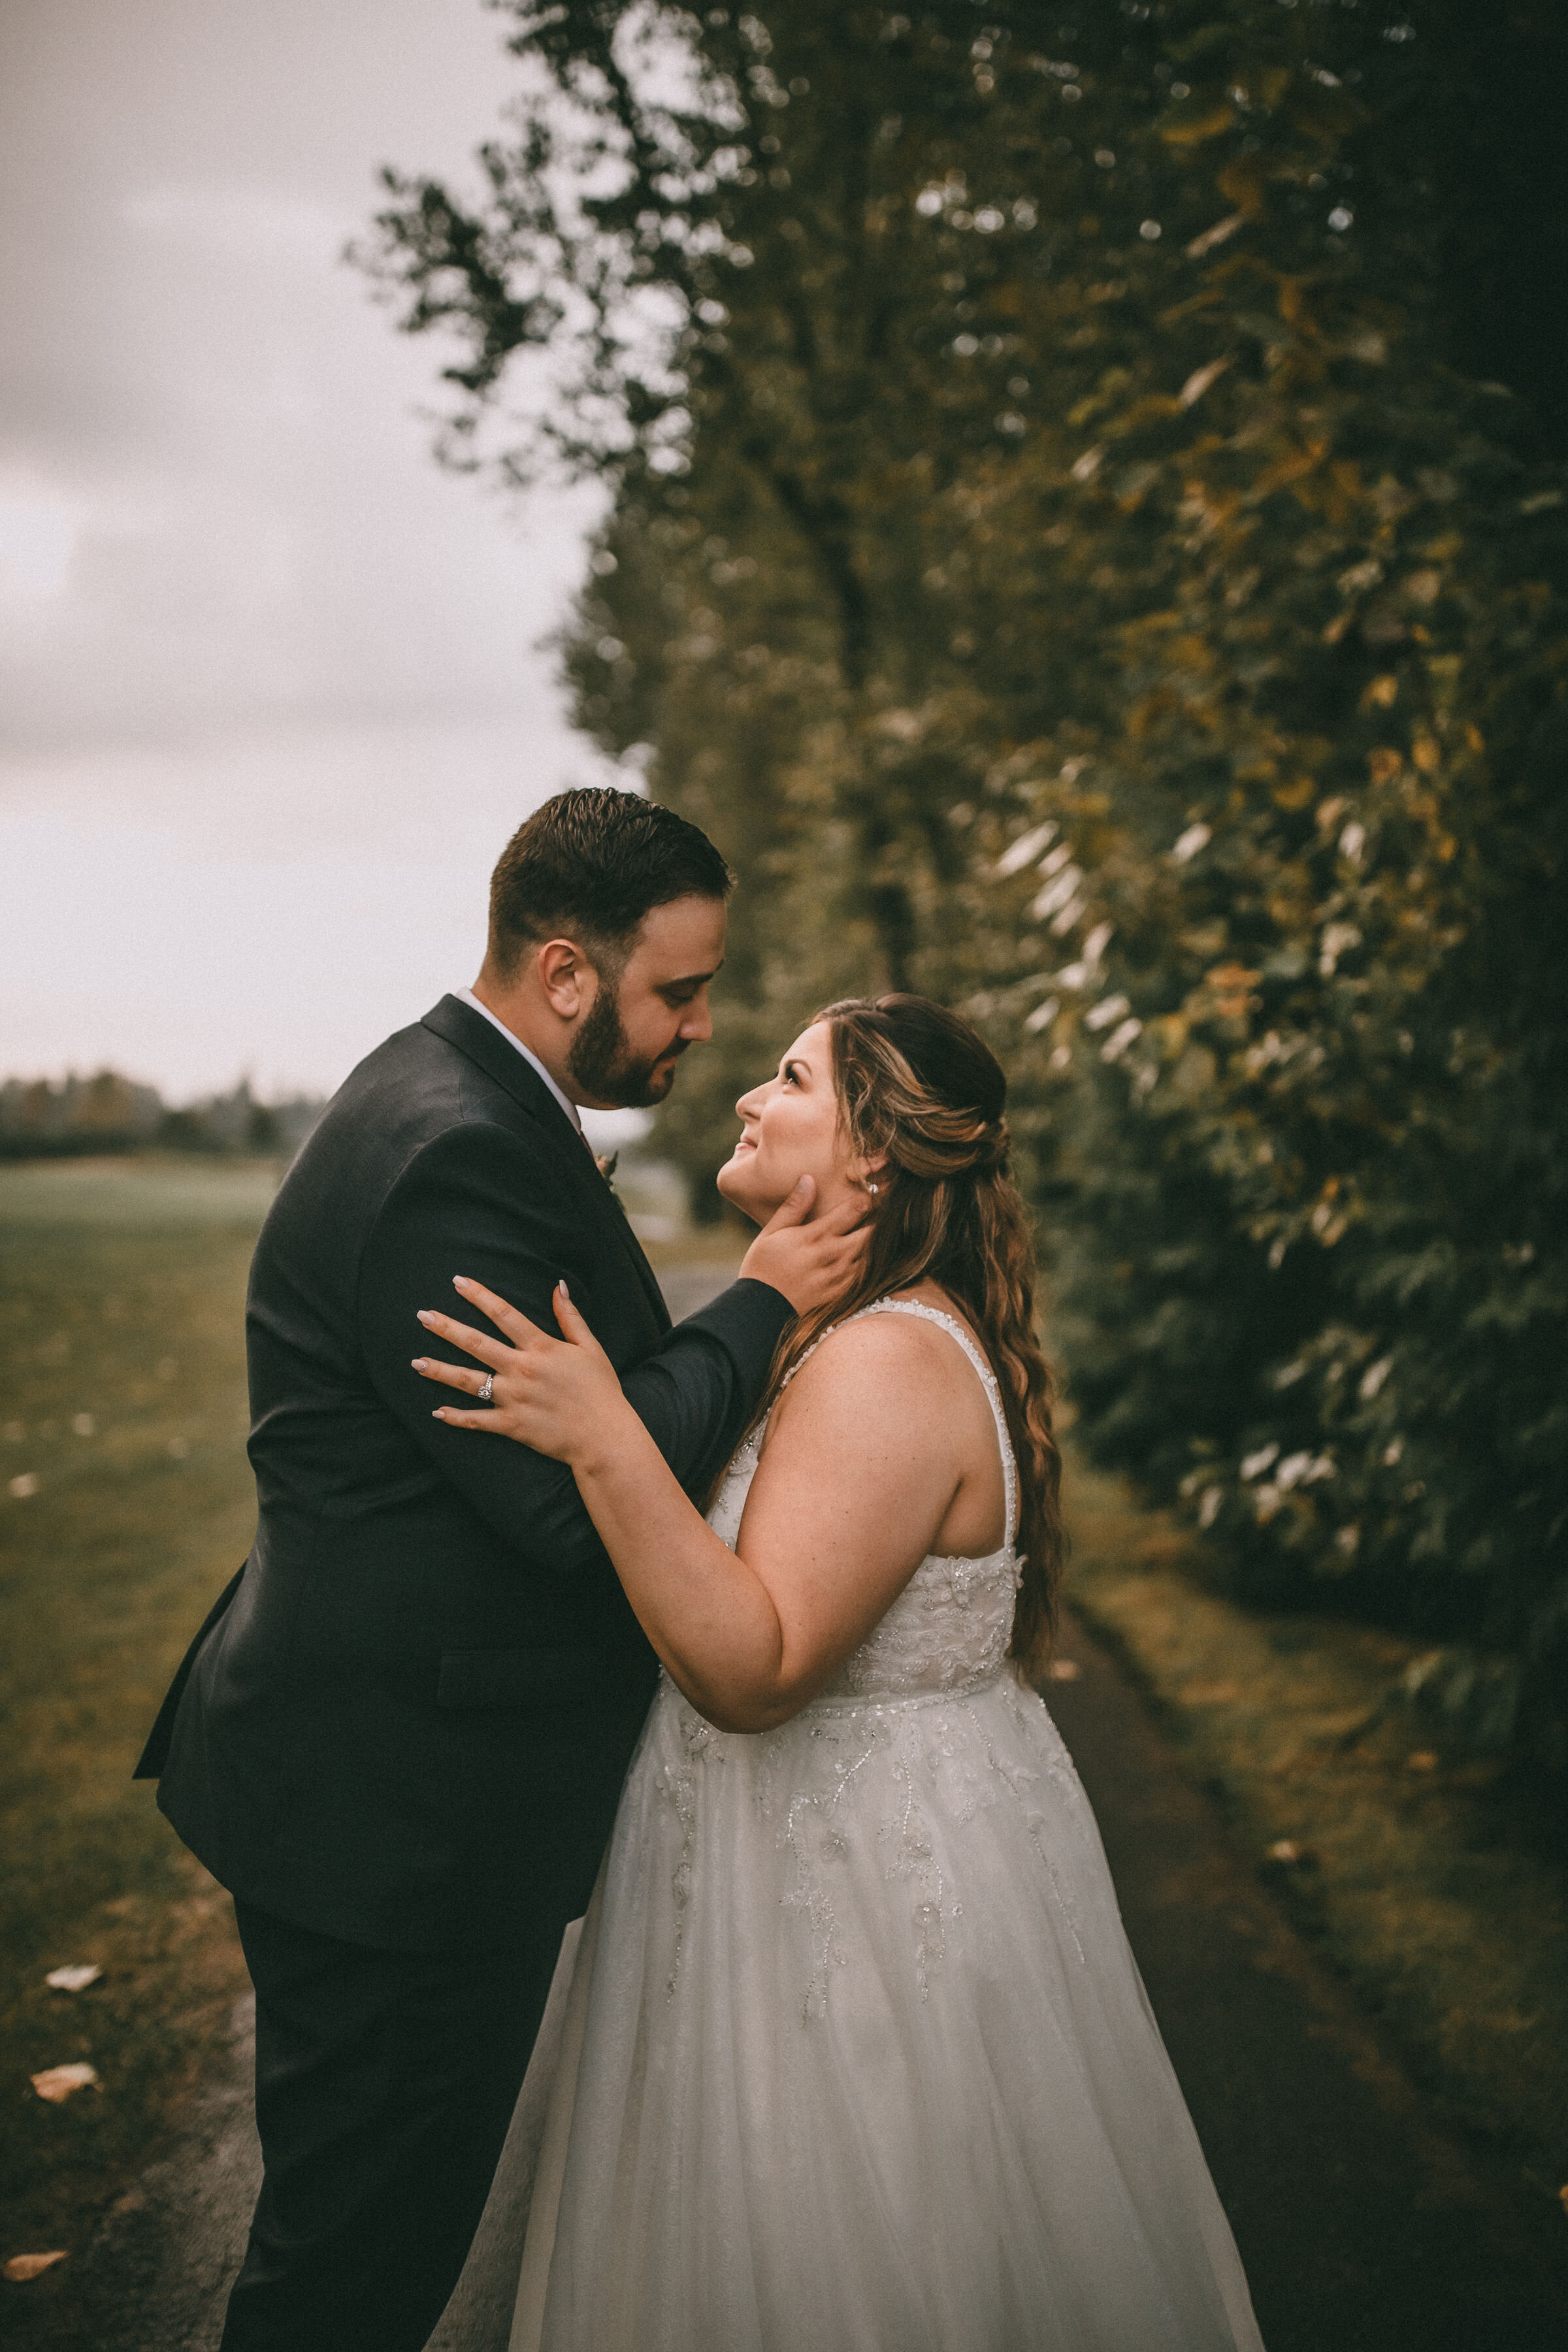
{"points": [[108, 1113]]}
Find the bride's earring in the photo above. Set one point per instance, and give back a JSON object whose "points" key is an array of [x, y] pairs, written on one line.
{"points": [[870, 1186]]}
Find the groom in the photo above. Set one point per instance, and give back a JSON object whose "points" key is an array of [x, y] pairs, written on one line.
{"points": [[400, 1736]]}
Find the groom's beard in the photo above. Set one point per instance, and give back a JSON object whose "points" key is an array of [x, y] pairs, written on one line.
{"points": [[603, 1063]]}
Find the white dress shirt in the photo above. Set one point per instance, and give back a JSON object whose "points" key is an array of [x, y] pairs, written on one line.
{"points": [[466, 996]]}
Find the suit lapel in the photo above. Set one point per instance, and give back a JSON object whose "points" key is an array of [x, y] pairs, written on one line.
{"points": [[607, 1212], [483, 1043], [633, 1249]]}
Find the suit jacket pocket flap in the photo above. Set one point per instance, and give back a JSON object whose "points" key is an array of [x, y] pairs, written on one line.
{"points": [[516, 1678]]}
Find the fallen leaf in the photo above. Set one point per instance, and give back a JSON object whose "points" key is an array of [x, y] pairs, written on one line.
{"points": [[22, 2267], [56, 2083], [74, 1980], [1064, 1670], [1421, 1759], [1563, 2193]]}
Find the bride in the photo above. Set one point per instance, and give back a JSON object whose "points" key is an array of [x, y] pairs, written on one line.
{"points": [[856, 2056]]}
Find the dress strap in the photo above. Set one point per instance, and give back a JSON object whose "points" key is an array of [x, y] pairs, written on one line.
{"points": [[950, 1324]]}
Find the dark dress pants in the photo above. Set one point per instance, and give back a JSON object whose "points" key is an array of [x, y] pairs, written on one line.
{"points": [[384, 2085]]}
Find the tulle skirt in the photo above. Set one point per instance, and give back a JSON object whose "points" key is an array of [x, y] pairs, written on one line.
{"points": [[858, 2059]]}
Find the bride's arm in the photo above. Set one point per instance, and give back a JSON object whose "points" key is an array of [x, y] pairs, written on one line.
{"points": [[864, 1455]]}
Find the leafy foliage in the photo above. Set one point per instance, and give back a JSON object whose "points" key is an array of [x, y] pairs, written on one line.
{"points": [[1064, 545]]}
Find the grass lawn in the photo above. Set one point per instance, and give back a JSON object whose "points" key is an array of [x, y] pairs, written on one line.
{"points": [[126, 1504], [1435, 1884]]}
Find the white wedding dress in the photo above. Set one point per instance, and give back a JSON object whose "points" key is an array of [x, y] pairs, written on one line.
{"points": [[856, 2058]]}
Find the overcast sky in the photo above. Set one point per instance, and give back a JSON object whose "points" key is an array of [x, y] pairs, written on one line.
{"points": [[268, 701]]}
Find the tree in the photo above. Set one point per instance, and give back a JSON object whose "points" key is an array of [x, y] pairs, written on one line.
{"points": [[1064, 543]]}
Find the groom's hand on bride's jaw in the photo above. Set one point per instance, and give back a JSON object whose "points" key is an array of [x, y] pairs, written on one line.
{"points": [[810, 1259]]}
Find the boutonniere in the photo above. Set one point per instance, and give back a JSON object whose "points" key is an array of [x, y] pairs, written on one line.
{"points": [[605, 1161]]}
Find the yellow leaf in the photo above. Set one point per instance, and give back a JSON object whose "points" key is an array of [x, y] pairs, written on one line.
{"points": [[1381, 694], [1286, 470], [1191, 126], [1210, 238], [22, 2267], [1198, 383]]}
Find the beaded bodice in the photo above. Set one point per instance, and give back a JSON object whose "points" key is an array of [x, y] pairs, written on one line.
{"points": [[949, 1628]]}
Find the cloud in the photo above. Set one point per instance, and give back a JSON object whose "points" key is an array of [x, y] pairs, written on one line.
{"points": [[38, 533], [276, 903], [271, 692], [249, 223]]}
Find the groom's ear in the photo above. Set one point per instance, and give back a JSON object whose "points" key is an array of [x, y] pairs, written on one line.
{"points": [[566, 976]]}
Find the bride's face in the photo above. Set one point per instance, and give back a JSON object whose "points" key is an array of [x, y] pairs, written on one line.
{"points": [[789, 1129]]}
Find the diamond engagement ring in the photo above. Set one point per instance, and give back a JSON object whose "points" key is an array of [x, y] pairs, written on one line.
{"points": [[486, 1390]]}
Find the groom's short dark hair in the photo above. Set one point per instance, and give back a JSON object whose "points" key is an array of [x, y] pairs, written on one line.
{"points": [[588, 866]]}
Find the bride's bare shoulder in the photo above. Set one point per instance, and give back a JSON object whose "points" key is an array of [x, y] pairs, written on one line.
{"points": [[876, 1361]]}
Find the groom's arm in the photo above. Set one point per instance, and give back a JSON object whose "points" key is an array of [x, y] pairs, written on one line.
{"points": [[697, 1392], [477, 1201]]}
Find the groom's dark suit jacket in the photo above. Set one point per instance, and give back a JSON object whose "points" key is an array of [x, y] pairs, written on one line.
{"points": [[406, 1721]]}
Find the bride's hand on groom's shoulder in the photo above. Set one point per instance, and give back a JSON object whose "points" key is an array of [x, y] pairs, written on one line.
{"points": [[558, 1396], [811, 1260]]}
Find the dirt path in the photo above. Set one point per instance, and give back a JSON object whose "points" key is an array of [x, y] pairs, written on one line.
{"points": [[1365, 2224]]}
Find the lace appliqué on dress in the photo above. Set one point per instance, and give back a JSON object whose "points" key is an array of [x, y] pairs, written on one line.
{"points": [[700, 1745]]}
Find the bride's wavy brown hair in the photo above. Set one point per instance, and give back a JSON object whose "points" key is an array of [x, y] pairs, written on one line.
{"points": [[919, 1088]]}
